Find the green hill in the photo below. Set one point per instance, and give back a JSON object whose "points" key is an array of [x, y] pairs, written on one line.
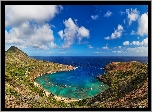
{"points": [[128, 84], [20, 73]]}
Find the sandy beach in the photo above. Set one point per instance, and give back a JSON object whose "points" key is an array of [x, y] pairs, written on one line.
{"points": [[58, 98]]}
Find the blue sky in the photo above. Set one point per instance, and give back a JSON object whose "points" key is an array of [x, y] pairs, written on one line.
{"points": [[78, 30]]}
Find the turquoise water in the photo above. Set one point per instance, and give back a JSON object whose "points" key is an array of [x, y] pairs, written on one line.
{"points": [[64, 85], [79, 83]]}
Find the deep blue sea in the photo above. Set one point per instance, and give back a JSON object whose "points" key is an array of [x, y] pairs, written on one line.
{"points": [[79, 83]]}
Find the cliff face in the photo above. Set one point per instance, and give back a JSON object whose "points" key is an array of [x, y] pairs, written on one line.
{"points": [[128, 82]]}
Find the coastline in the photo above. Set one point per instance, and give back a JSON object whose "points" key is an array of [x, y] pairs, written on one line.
{"points": [[68, 68], [58, 98]]}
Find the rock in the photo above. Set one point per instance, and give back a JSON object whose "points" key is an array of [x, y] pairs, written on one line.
{"points": [[124, 78]]}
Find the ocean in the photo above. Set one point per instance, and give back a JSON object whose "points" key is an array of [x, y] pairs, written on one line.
{"points": [[81, 82]]}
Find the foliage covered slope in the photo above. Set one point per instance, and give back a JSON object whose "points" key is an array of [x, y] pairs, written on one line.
{"points": [[128, 84], [20, 72]]}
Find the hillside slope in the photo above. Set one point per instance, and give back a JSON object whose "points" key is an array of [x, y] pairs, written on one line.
{"points": [[128, 86], [20, 73]]}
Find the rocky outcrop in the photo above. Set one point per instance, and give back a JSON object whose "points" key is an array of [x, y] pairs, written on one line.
{"points": [[126, 80]]}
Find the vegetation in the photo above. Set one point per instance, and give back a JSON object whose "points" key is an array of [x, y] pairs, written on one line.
{"points": [[124, 79]]}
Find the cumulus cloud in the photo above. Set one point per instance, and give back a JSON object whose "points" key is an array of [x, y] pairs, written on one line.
{"points": [[133, 15], [71, 32], [117, 33], [106, 47], [61, 33], [15, 15], [107, 38], [28, 35], [108, 14], [143, 43], [141, 49], [53, 45], [94, 17], [82, 32], [28, 28], [126, 43], [143, 25]]}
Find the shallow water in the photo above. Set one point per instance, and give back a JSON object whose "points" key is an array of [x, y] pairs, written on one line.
{"points": [[79, 83], [70, 84]]}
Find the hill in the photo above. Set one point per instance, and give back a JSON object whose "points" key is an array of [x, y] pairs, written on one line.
{"points": [[20, 73], [128, 84]]}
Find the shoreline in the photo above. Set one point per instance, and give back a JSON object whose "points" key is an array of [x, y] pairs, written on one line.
{"points": [[58, 98], [69, 68]]}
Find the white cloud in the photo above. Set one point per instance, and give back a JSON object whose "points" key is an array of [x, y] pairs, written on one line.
{"points": [[121, 12], [141, 49], [136, 43], [28, 35], [108, 14], [61, 33], [117, 33], [126, 43], [94, 17], [15, 15], [133, 32], [143, 25], [114, 51], [143, 43], [44, 47], [29, 28], [106, 47], [83, 32], [107, 38], [133, 15], [90, 47], [69, 33], [52, 45], [72, 31]]}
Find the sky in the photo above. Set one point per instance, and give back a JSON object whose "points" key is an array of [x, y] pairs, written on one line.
{"points": [[77, 30]]}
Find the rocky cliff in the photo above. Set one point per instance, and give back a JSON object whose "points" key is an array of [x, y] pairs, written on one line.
{"points": [[128, 86]]}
